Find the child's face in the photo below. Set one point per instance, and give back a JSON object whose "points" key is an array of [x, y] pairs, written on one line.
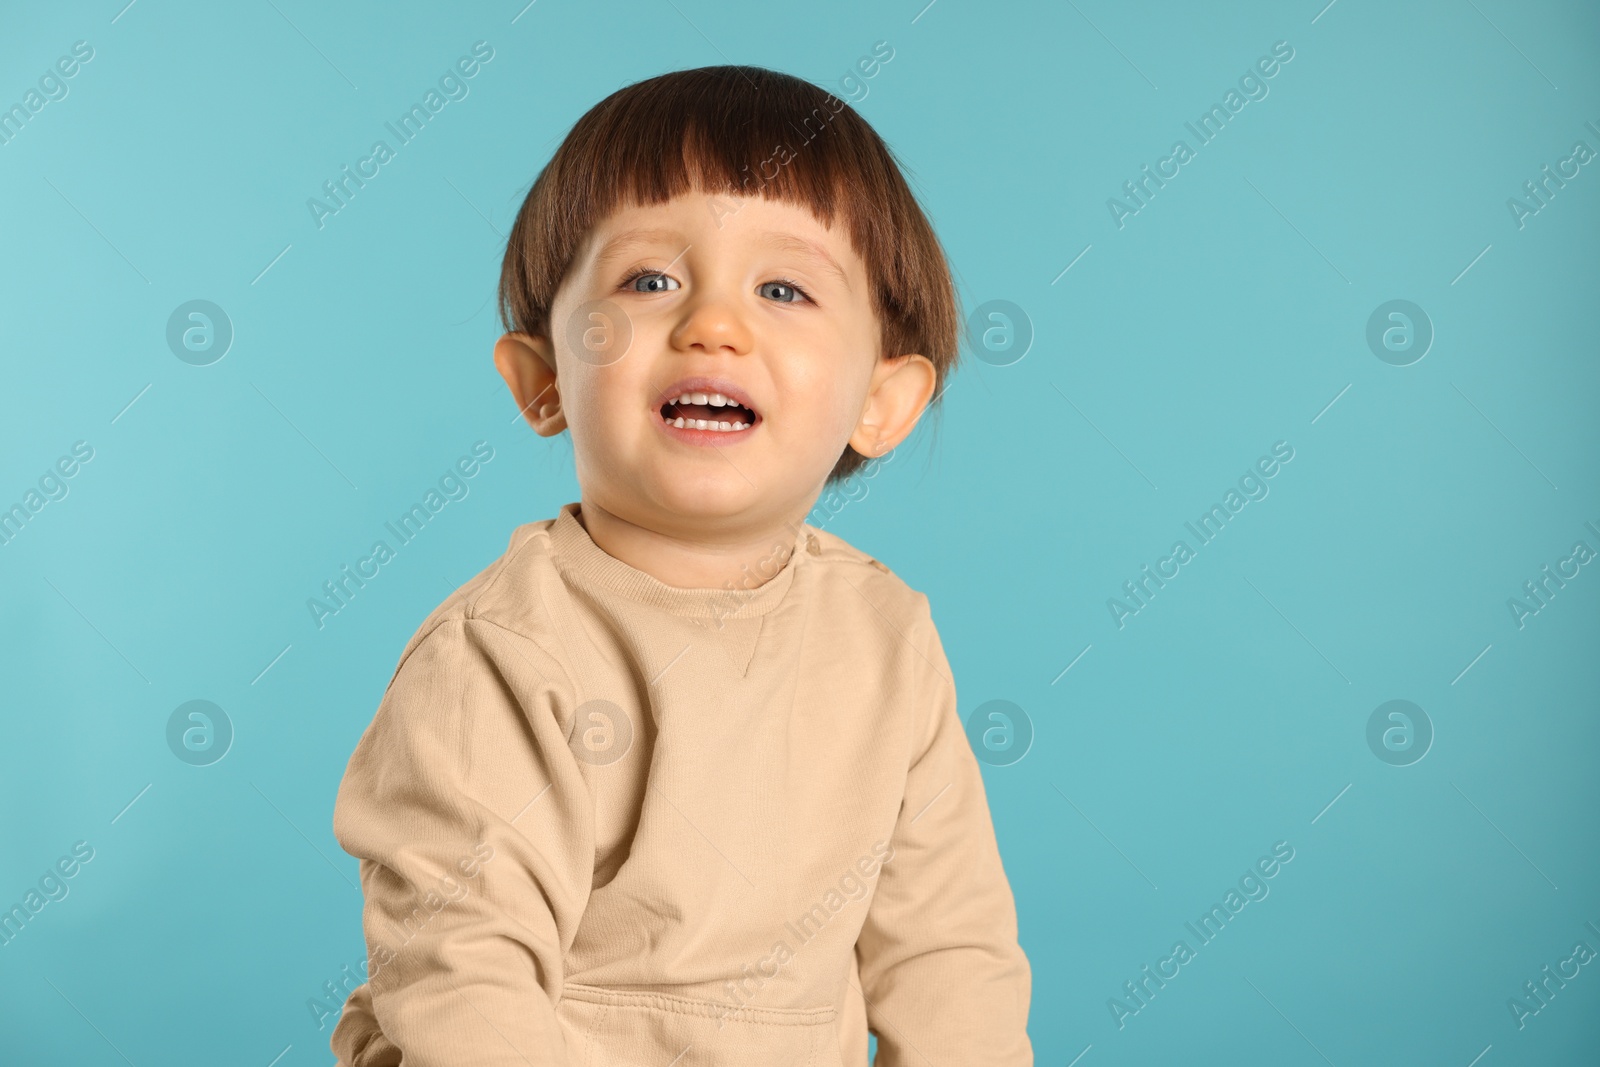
{"points": [[729, 288]]}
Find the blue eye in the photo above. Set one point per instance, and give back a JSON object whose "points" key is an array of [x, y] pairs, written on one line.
{"points": [[788, 291], [782, 283], [628, 282]]}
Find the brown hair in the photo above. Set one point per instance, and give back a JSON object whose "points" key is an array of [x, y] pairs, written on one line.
{"points": [[724, 129]]}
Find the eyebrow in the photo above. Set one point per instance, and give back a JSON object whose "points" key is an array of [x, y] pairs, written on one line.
{"points": [[619, 244], [807, 249], [777, 239]]}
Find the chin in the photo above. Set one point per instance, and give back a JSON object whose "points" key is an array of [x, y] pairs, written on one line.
{"points": [[710, 502], [691, 489]]}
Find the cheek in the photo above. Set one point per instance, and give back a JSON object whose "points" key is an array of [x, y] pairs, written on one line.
{"points": [[846, 405], [575, 381], [606, 406], [835, 367], [849, 382], [595, 416], [818, 397]]}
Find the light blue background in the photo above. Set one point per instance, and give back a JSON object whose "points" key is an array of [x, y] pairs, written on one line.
{"points": [[1230, 313]]}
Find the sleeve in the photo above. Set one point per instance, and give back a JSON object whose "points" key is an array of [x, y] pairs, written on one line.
{"points": [[942, 973], [474, 828]]}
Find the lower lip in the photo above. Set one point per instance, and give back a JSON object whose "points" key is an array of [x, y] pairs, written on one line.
{"points": [[695, 436]]}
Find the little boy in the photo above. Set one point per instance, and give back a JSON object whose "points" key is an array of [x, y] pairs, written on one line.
{"points": [[680, 779]]}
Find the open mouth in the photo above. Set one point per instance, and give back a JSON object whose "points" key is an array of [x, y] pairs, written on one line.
{"points": [[708, 411]]}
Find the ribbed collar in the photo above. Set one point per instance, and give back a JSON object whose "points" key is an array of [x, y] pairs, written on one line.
{"points": [[580, 559]]}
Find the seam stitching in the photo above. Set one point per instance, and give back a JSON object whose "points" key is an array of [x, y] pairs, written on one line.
{"points": [[690, 1006]]}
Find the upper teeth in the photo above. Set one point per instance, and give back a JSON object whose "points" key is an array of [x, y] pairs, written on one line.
{"points": [[716, 400]]}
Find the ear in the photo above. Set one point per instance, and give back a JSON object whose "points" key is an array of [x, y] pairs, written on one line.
{"points": [[527, 363], [896, 398]]}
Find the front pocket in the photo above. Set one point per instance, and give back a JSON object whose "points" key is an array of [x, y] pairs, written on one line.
{"points": [[622, 1028]]}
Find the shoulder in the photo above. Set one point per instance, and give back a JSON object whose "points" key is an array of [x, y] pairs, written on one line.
{"points": [[874, 615], [497, 598], [842, 563]]}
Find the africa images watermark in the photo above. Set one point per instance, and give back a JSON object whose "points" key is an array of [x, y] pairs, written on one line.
{"points": [[340, 190], [52, 887], [782, 155], [380, 956], [452, 485], [1541, 191], [1253, 84], [1253, 486], [52, 86], [1537, 995], [1252, 887], [733, 594], [53, 485], [853, 885], [1539, 591]]}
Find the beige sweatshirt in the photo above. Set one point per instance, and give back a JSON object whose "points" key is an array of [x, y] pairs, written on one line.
{"points": [[606, 821]]}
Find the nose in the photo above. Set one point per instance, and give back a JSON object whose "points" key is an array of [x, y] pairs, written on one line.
{"points": [[712, 322]]}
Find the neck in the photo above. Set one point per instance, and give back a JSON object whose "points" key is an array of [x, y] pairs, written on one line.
{"points": [[744, 560]]}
